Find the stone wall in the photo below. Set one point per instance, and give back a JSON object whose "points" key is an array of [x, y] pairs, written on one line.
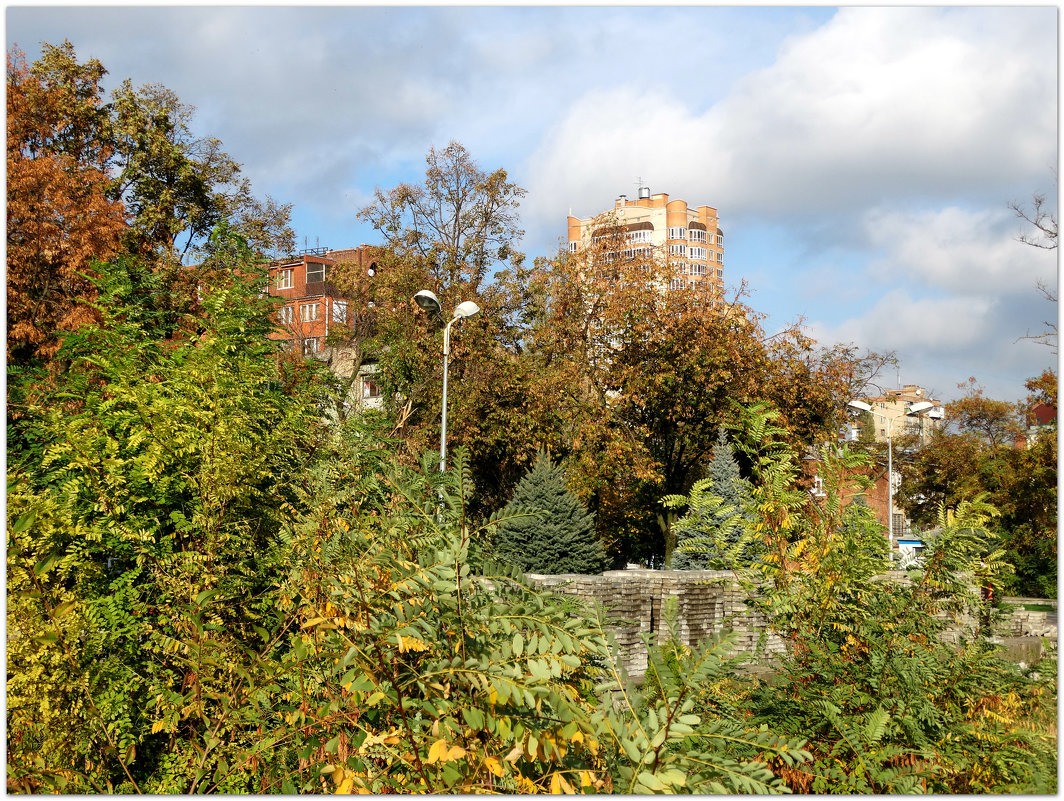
{"points": [[708, 602], [711, 601], [1020, 622]]}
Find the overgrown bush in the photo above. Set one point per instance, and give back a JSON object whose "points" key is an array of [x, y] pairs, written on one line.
{"points": [[894, 684]]}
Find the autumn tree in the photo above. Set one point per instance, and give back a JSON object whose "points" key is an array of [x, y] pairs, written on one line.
{"points": [[177, 185], [91, 179], [60, 215], [459, 224], [448, 235], [654, 372], [586, 354], [980, 451]]}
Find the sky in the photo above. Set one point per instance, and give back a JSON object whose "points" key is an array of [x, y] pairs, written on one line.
{"points": [[861, 159]]}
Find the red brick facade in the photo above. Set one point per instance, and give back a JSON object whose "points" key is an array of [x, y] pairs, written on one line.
{"points": [[314, 306]]}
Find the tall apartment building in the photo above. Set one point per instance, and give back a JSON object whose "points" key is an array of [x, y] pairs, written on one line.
{"points": [[691, 237], [314, 307]]}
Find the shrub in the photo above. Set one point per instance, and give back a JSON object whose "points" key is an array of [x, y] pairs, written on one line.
{"points": [[545, 528]]}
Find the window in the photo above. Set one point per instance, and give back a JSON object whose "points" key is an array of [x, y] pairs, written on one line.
{"points": [[315, 272], [308, 312], [370, 387], [697, 236], [720, 239], [697, 252], [720, 257], [339, 311], [639, 236], [285, 315], [677, 250], [284, 279], [698, 269], [310, 346], [574, 246], [677, 232], [720, 272], [636, 253], [677, 283]]}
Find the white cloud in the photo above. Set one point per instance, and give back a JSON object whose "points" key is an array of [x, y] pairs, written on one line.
{"points": [[904, 323], [878, 152], [942, 341], [877, 104], [960, 251]]}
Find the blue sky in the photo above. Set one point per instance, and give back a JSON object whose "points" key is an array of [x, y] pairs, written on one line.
{"points": [[861, 159]]}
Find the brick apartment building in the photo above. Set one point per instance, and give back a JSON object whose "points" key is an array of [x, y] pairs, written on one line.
{"points": [[315, 307]]}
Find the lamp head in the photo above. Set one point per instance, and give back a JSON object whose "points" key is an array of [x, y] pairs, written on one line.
{"points": [[920, 406], [428, 301], [856, 404], [466, 309]]}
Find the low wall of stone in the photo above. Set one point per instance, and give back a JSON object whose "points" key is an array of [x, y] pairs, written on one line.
{"points": [[1020, 622], [708, 602], [711, 601]]}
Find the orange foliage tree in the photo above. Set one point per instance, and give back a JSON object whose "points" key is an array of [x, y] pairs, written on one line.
{"points": [[587, 356], [660, 370], [59, 214], [90, 180]]}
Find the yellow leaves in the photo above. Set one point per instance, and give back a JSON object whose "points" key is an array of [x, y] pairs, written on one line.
{"points": [[494, 766], [526, 785], [559, 785], [158, 726], [442, 751], [378, 739], [346, 781], [410, 643]]}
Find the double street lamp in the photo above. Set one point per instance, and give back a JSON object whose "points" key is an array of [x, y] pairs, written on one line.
{"points": [[913, 410], [430, 303]]}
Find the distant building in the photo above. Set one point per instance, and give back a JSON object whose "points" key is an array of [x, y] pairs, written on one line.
{"points": [[889, 419], [315, 307], [1041, 420], [691, 237], [889, 413]]}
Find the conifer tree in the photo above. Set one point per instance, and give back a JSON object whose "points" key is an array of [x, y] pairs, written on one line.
{"points": [[561, 539], [696, 551]]}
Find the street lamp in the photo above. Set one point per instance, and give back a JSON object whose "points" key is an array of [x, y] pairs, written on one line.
{"points": [[913, 410], [430, 303]]}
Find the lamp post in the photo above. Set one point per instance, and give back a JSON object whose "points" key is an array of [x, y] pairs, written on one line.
{"points": [[430, 303], [913, 410]]}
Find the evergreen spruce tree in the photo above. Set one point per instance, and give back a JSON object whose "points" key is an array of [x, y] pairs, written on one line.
{"points": [[695, 550], [561, 539]]}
